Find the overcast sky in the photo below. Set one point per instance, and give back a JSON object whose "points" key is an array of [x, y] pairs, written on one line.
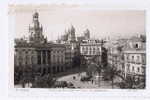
{"points": [[55, 19]]}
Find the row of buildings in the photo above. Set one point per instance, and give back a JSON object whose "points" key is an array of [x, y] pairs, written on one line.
{"points": [[53, 57], [128, 55]]}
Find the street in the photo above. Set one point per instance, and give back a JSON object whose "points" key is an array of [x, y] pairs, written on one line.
{"points": [[79, 84]]}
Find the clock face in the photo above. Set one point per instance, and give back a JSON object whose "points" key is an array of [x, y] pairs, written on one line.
{"points": [[35, 18]]}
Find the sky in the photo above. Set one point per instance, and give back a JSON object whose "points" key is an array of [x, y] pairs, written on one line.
{"points": [[55, 19]]}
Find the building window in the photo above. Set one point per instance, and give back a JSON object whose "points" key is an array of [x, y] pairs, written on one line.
{"points": [[138, 59], [16, 50], [93, 52], [23, 49], [93, 48], [132, 58], [26, 52], [90, 52], [128, 68], [82, 48], [90, 48], [133, 68], [127, 57], [27, 59], [87, 48], [57, 51], [138, 69], [143, 69], [144, 59], [136, 45], [20, 60]]}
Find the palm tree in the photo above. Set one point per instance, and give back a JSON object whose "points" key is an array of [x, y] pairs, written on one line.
{"points": [[129, 82], [94, 68], [112, 73]]}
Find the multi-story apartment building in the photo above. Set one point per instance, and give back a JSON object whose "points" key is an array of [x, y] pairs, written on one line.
{"points": [[129, 57], [90, 49], [135, 57]]}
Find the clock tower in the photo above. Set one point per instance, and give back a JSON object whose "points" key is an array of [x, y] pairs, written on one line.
{"points": [[36, 30]]}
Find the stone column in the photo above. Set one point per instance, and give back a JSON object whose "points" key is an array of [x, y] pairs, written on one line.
{"points": [[37, 57], [41, 57], [46, 57]]}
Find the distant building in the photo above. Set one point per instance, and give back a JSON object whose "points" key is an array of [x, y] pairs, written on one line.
{"points": [[87, 34], [69, 35]]}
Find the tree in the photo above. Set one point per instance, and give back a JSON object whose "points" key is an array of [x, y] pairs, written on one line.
{"points": [[112, 73], [94, 69], [128, 82], [104, 57], [76, 59]]}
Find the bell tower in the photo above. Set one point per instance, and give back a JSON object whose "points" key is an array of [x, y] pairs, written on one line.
{"points": [[36, 30], [36, 20]]}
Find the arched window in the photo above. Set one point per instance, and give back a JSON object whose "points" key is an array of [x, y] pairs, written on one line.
{"points": [[136, 46]]}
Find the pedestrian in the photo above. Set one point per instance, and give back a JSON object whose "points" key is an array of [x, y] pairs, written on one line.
{"points": [[92, 81], [74, 77]]}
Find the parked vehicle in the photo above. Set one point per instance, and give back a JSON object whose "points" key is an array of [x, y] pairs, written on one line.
{"points": [[85, 78], [60, 84], [70, 85]]}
